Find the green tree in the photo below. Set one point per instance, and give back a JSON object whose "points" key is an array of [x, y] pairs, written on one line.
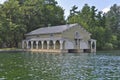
{"points": [[94, 22], [11, 25], [18, 17], [41, 13], [113, 22]]}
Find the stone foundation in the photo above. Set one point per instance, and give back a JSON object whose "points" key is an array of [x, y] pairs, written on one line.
{"points": [[46, 50], [61, 51]]}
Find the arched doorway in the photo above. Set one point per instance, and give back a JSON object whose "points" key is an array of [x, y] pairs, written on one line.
{"points": [[51, 45], [63, 45], [34, 44], [77, 40], [45, 45], [93, 45], [29, 44], [39, 45], [57, 44]]}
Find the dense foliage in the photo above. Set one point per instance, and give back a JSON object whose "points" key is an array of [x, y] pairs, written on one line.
{"points": [[18, 17], [104, 27]]}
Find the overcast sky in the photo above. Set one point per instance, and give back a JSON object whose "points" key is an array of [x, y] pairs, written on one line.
{"points": [[1, 1], [101, 5]]}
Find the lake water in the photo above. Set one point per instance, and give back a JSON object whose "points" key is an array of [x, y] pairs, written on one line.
{"points": [[46, 66]]}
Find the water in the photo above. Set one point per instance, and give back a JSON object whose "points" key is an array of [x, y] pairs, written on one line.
{"points": [[46, 66]]}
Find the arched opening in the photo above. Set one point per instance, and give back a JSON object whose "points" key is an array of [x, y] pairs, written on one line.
{"points": [[34, 44], [29, 44], [63, 45], [77, 39], [45, 44], [93, 45], [39, 45], [51, 45], [57, 44]]}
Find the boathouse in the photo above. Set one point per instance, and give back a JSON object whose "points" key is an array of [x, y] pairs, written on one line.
{"points": [[62, 38]]}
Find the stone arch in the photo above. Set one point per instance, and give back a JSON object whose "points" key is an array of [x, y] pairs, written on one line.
{"points": [[57, 44], [93, 45], [63, 45], [39, 45], [29, 44], [51, 45], [45, 45], [34, 45]]}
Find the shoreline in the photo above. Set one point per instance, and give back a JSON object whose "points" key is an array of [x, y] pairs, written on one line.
{"points": [[12, 50]]}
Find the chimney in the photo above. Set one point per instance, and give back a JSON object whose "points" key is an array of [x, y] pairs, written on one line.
{"points": [[49, 25]]}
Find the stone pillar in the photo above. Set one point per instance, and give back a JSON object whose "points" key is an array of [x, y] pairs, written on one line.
{"points": [[48, 44], [95, 46], [23, 44], [91, 45], [31, 44], [79, 44], [54, 44], [42, 42], [27, 44], [61, 44], [36, 44]]}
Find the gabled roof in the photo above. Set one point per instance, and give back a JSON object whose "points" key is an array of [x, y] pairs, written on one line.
{"points": [[52, 29]]}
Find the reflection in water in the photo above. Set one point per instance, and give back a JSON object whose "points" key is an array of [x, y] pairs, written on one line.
{"points": [[43, 66], [46, 66]]}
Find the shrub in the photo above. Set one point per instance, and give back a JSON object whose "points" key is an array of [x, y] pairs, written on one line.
{"points": [[108, 46]]}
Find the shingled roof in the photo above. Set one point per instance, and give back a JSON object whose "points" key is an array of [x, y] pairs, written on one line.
{"points": [[52, 29]]}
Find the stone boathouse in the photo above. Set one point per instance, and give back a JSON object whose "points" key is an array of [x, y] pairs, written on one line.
{"points": [[62, 38]]}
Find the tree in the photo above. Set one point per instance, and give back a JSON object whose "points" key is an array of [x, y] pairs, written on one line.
{"points": [[113, 18], [18, 17], [73, 10], [113, 22], [94, 22], [11, 25], [41, 13]]}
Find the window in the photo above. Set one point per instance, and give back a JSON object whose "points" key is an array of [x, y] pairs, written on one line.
{"points": [[51, 35], [37, 36], [76, 35], [76, 42]]}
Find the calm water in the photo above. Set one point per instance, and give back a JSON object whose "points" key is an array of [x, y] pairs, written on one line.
{"points": [[39, 66]]}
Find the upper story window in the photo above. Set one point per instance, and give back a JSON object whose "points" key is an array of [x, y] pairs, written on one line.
{"points": [[77, 35], [51, 35], [37, 36], [76, 42]]}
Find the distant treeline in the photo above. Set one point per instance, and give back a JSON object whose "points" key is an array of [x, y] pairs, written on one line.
{"points": [[18, 17]]}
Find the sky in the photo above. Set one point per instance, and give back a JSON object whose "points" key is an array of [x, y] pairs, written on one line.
{"points": [[1, 1], [101, 5]]}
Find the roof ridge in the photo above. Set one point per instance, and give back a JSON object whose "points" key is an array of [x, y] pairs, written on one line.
{"points": [[55, 26], [52, 29], [68, 26]]}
